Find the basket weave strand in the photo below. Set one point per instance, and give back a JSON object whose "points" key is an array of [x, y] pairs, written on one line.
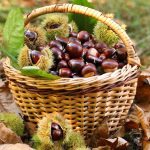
{"points": [[86, 102]]}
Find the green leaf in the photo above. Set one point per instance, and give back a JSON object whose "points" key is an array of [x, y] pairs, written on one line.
{"points": [[35, 71], [13, 33], [83, 22]]}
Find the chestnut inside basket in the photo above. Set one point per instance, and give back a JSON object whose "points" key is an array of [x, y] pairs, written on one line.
{"points": [[86, 102]]}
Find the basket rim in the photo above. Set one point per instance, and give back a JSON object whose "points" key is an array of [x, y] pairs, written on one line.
{"points": [[128, 72]]}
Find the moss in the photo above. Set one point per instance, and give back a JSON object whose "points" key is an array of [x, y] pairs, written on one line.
{"points": [[104, 34], [12, 121]]}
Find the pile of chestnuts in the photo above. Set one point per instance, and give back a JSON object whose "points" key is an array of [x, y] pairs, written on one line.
{"points": [[80, 55]]}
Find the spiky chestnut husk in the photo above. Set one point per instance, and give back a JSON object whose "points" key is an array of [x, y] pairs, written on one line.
{"points": [[75, 142], [104, 34], [73, 26], [40, 39], [43, 140], [12, 121], [44, 63], [56, 25], [24, 58]]}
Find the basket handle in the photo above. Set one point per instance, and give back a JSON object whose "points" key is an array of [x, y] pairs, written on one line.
{"points": [[71, 8]]}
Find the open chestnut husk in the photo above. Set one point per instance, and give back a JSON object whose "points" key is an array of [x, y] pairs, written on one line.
{"points": [[74, 49], [56, 132], [76, 65], [109, 65], [89, 70]]}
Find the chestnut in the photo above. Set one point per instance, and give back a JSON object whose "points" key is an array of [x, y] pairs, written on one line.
{"points": [[84, 52], [74, 40], [57, 53], [109, 52], [65, 72], [56, 44], [92, 52], [76, 65], [83, 36], [89, 70], [121, 64], [66, 57], [62, 40], [75, 75], [62, 64], [74, 49], [102, 57], [88, 44], [40, 48], [32, 36], [56, 132], [109, 65], [100, 47], [122, 54], [93, 59], [73, 34], [35, 56]]}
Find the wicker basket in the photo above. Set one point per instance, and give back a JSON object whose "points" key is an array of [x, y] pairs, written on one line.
{"points": [[84, 101]]}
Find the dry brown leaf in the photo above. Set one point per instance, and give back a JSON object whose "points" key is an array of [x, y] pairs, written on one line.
{"points": [[143, 87], [100, 132], [143, 120], [15, 147], [7, 136], [146, 145]]}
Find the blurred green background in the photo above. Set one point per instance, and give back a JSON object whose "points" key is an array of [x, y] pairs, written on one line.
{"points": [[134, 13]]}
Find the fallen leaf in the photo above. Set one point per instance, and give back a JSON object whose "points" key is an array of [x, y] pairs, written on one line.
{"points": [[143, 120], [7, 136], [146, 145], [15, 147]]}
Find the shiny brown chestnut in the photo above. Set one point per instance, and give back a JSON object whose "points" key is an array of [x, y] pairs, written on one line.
{"points": [[93, 59], [109, 65], [57, 53], [89, 70], [66, 57], [92, 52], [121, 64], [74, 49], [109, 52], [35, 56], [102, 57], [83, 36], [100, 47], [122, 54], [62, 40], [74, 40], [56, 132], [76, 65], [84, 52], [88, 44], [65, 72], [56, 44], [62, 64], [32, 36], [73, 34]]}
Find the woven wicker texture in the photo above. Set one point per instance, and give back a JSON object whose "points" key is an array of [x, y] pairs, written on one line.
{"points": [[84, 101]]}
